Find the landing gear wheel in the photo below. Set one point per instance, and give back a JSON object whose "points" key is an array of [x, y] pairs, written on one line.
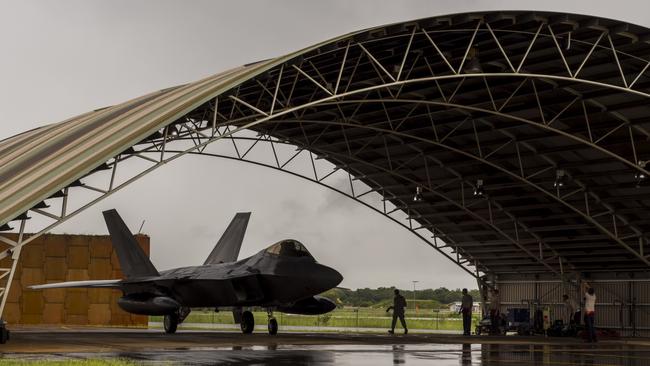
{"points": [[273, 326], [4, 334], [170, 323], [247, 322]]}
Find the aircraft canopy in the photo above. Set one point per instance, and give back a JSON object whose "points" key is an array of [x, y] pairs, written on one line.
{"points": [[288, 248]]}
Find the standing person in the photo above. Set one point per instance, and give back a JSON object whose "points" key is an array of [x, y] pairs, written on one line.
{"points": [[495, 306], [466, 305], [590, 311], [570, 308], [399, 304]]}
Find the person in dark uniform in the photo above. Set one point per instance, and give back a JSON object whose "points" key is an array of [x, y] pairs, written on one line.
{"points": [[466, 309], [399, 304]]}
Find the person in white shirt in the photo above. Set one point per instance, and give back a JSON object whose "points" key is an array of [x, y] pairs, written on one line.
{"points": [[590, 311], [495, 308], [571, 308]]}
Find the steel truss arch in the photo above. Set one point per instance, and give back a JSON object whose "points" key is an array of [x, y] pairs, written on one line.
{"points": [[339, 99], [472, 68], [460, 261], [505, 171]]}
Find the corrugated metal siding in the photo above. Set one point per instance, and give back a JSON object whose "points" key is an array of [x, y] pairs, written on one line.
{"points": [[616, 302]]}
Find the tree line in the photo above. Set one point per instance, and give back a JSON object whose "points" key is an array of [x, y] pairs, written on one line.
{"points": [[364, 297]]}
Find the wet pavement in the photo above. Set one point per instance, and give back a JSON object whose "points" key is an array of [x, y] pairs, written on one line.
{"points": [[220, 348]]}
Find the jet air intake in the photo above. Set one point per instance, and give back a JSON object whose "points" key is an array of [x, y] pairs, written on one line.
{"points": [[155, 305], [315, 305]]}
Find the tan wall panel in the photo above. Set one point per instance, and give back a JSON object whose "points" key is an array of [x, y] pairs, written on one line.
{"points": [[31, 319], [99, 314], [55, 248], [101, 249], [100, 268], [12, 312], [16, 291], [31, 256], [55, 269], [77, 319], [53, 313], [78, 275], [76, 303], [32, 302], [55, 258], [78, 257], [31, 276], [54, 295], [100, 296]]}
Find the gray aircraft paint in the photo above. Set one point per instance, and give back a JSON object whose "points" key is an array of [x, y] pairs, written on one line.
{"points": [[283, 277]]}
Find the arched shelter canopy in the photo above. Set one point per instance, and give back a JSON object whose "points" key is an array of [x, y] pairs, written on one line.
{"points": [[525, 132]]}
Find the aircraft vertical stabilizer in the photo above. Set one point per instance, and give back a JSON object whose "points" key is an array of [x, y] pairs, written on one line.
{"points": [[228, 246], [133, 261]]}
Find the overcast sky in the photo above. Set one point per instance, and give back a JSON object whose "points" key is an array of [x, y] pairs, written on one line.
{"points": [[61, 58]]}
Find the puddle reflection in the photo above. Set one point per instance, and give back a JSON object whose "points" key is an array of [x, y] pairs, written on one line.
{"points": [[411, 354]]}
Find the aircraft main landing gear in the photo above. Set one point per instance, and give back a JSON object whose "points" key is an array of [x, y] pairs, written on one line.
{"points": [[4, 332], [247, 322], [170, 323], [273, 323]]}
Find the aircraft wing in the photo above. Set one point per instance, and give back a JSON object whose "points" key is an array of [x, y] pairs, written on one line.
{"points": [[77, 284], [228, 246]]}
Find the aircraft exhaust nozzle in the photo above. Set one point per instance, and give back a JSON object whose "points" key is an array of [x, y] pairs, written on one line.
{"points": [[157, 305]]}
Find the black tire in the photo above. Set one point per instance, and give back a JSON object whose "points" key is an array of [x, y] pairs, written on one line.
{"points": [[247, 322], [273, 326], [4, 335], [170, 323]]}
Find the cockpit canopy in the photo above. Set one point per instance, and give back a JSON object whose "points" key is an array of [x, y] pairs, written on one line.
{"points": [[288, 248]]}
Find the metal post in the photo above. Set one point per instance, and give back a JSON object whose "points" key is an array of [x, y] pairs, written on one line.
{"points": [[414, 306], [15, 255]]}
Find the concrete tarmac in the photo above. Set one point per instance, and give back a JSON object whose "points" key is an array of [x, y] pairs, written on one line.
{"points": [[231, 348]]}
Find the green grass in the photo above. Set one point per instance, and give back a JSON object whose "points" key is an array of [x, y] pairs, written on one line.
{"points": [[346, 317], [89, 362]]}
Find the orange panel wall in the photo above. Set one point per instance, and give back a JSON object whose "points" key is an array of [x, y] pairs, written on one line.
{"points": [[57, 258]]}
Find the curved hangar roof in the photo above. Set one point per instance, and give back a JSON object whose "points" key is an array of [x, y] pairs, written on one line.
{"points": [[527, 133]]}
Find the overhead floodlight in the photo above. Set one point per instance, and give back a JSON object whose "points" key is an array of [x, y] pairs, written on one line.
{"points": [[641, 177], [478, 189], [560, 178], [473, 66], [172, 131], [418, 194]]}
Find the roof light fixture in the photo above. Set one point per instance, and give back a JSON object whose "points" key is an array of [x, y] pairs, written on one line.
{"points": [[560, 178], [478, 189], [641, 177], [418, 194], [473, 65], [172, 131]]}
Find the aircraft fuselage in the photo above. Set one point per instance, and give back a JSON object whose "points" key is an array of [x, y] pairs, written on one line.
{"points": [[264, 279]]}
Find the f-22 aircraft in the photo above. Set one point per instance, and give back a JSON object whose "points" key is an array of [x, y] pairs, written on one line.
{"points": [[283, 277]]}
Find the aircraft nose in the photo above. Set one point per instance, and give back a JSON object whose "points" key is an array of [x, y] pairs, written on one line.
{"points": [[328, 277]]}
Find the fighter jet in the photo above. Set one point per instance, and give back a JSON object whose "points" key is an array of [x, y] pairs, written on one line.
{"points": [[284, 277]]}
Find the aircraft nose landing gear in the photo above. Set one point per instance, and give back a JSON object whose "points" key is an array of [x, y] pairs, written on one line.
{"points": [[273, 323], [247, 322], [170, 323]]}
